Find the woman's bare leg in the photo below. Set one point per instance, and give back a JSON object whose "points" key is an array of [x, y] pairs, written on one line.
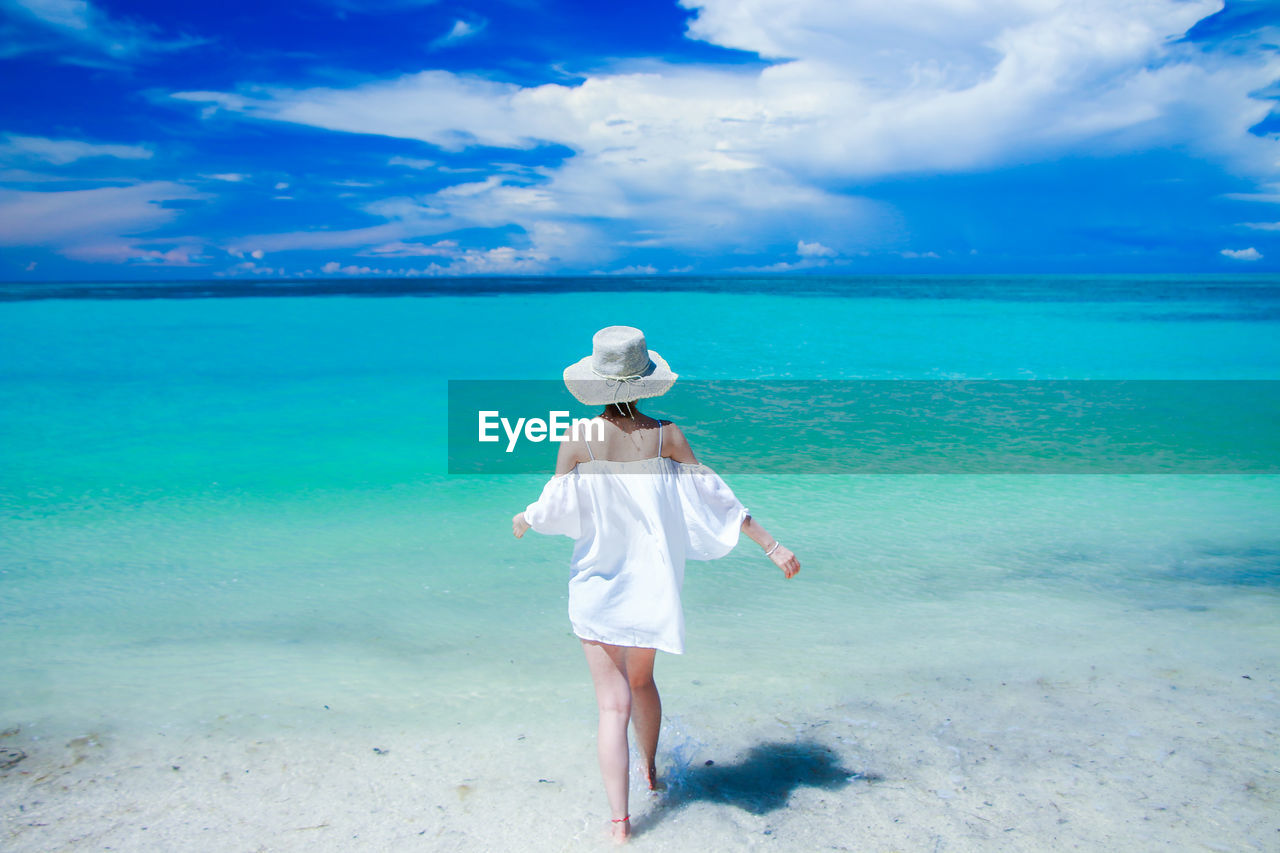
{"points": [[646, 709], [608, 666]]}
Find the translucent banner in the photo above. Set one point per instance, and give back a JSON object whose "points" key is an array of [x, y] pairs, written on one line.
{"points": [[901, 426]]}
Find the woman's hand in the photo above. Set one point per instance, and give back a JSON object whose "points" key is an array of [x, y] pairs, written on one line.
{"points": [[774, 550], [785, 560], [519, 526]]}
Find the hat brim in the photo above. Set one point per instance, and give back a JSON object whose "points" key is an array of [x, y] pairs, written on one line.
{"points": [[591, 390]]}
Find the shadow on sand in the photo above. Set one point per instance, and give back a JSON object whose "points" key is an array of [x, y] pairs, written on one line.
{"points": [[763, 780]]}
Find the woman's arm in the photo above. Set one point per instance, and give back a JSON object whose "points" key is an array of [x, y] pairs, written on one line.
{"points": [[782, 556]]}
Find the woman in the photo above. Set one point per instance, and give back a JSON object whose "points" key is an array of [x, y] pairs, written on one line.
{"points": [[637, 504]]}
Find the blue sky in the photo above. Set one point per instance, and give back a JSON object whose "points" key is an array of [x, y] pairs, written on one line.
{"points": [[331, 138]]}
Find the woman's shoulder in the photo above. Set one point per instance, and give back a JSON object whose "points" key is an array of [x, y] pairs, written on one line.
{"points": [[669, 428], [674, 444]]}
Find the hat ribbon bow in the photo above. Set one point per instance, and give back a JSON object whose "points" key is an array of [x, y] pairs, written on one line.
{"points": [[616, 382]]}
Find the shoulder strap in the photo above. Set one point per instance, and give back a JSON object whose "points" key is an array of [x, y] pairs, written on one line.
{"points": [[659, 438], [587, 442]]}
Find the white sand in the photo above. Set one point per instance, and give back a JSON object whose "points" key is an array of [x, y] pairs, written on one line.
{"points": [[955, 762]]}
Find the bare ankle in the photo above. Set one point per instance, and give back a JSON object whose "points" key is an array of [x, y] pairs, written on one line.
{"points": [[651, 778]]}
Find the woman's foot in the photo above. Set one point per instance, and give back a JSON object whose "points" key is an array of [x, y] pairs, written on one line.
{"points": [[621, 829]]}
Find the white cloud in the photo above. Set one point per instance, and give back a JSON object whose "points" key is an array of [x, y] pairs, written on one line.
{"points": [[910, 254], [1262, 226], [814, 250], [458, 261], [229, 177], [322, 239], [213, 102], [101, 225], [411, 163], [1267, 193], [26, 176], [87, 218], [250, 268], [875, 89], [80, 22], [642, 269], [399, 249], [792, 266], [503, 259], [812, 256], [281, 185], [124, 252], [460, 31], [75, 15], [1249, 254], [333, 268], [60, 152], [728, 157]]}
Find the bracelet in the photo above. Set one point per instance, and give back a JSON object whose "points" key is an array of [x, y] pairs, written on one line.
{"points": [[769, 553]]}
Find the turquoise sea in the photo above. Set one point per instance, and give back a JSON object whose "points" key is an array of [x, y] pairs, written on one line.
{"points": [[244, 605]]}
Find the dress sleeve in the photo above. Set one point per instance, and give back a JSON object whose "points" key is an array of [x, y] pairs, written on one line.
{"points": [[712, 512], [558, 510]]}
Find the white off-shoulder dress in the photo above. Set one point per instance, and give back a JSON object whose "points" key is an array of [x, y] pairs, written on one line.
{"points": [[634, 524]]}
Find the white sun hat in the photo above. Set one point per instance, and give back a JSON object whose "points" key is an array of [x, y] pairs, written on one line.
{"points": [[621, 368]]}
